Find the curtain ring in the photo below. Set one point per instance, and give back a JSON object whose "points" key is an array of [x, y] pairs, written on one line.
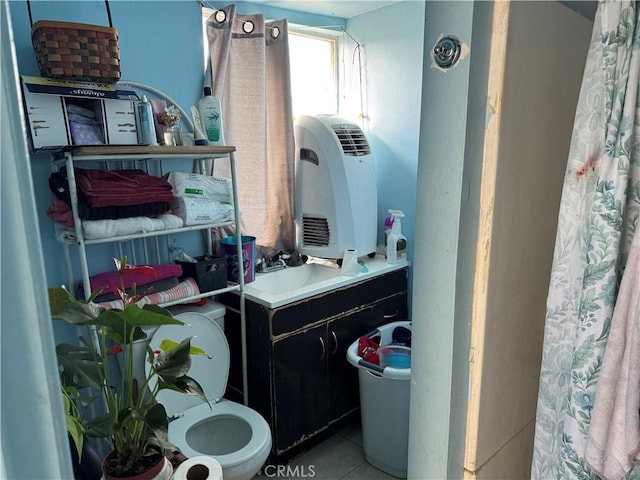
{"points": [[275, 32], [220, 16], [248, 26]]}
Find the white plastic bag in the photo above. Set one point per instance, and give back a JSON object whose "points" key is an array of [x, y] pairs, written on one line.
{"points": [[201, 199], [194, 185]]}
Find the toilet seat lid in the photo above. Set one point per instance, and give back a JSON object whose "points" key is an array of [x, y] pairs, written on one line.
{"points": [[210, 371]]}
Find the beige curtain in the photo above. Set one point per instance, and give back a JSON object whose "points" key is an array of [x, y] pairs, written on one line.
{"points": [[250, 75]]}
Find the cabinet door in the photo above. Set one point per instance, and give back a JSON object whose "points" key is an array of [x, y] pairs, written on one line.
{"points": [[300, 379], [393, 309], [343, 377]]}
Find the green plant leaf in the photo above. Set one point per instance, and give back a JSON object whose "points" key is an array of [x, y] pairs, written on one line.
{"points": [[101, 426], [186, 385], [168, 344], [80, 368], [94, 294], [119, 328], [121, 323], [197, 351], [144, 317], [66, 402], [77, 313], [124, 325], [58, 297], [161, 311], [108, 317], [174, 363], [154, 446], [75, 430], [156, 419], [72, 420]]}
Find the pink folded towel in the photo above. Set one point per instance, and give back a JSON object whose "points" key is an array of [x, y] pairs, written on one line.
{"points": [[111, 280], [60, 212]]}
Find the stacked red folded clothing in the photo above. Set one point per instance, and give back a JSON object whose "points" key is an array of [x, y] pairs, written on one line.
{"points": [[105, 194], [106, 188]]}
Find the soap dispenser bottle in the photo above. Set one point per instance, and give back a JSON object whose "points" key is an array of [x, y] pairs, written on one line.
{"points": [[211, 117], [397, 242]]}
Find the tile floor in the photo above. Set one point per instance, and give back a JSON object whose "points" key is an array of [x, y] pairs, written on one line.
{"points": [[340, 457]]}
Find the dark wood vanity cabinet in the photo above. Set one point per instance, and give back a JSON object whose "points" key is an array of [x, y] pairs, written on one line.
{"points": [[299, 378]]}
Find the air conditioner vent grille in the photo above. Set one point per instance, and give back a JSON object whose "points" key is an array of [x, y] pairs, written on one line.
{"points": [[315, 232], [352, 140]]}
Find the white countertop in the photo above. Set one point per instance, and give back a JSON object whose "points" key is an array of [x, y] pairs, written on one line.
{"points": [[291, 284]]}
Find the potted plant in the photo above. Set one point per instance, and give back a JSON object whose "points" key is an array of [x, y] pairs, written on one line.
{"points": [[134, 421]]}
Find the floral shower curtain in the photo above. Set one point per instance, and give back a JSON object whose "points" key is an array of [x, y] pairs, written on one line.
{"points": [[250, 75], [587, 424]]}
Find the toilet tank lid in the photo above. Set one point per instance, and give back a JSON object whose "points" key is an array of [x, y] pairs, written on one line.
{"points": [[210, 372], [211, 309]]}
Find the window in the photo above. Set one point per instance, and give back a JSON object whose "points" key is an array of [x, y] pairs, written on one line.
{"points": [[313, 74], [313, 64]]}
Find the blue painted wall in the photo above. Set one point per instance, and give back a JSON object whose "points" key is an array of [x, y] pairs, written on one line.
{"points": [[392, 46], [161, 46]]}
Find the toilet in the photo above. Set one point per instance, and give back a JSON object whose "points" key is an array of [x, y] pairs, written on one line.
{"points": [[238, 437]]}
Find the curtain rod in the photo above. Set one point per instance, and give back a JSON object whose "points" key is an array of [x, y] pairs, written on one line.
{"points": [[357, 50], [204, 3]]}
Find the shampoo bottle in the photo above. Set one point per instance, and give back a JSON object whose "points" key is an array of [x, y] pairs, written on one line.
{"points": [[211, 117], [397, 242], [145, 127], [198, 132]]}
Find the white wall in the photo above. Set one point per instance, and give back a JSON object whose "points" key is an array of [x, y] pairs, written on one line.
{"points": [[446, 225]]}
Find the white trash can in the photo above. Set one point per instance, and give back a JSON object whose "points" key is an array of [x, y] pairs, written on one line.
{"points": [[384, 402]]}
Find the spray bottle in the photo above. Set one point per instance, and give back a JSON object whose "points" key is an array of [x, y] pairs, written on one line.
{"points": [[397, 242], [388, 224]]}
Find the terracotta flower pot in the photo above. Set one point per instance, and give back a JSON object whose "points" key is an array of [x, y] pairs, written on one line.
{"points": [[162, 470]]}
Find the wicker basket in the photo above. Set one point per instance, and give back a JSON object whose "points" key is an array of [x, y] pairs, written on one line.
{"points": [[76, 51]]}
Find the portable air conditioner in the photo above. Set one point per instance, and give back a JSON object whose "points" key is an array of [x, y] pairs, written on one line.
{"points": [[336, 193]]}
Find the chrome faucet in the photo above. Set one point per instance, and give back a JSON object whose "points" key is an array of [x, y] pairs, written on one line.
{"points": [[264, 266]]}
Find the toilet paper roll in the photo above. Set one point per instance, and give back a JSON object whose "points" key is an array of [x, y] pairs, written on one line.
{"points": [[199, 468], [350, 265]]}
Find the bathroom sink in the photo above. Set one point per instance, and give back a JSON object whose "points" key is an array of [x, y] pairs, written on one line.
{"points": [[292, 278], [291, 284]]}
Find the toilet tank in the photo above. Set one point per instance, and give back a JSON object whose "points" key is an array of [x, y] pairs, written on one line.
{"points": [[214, 310]]}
